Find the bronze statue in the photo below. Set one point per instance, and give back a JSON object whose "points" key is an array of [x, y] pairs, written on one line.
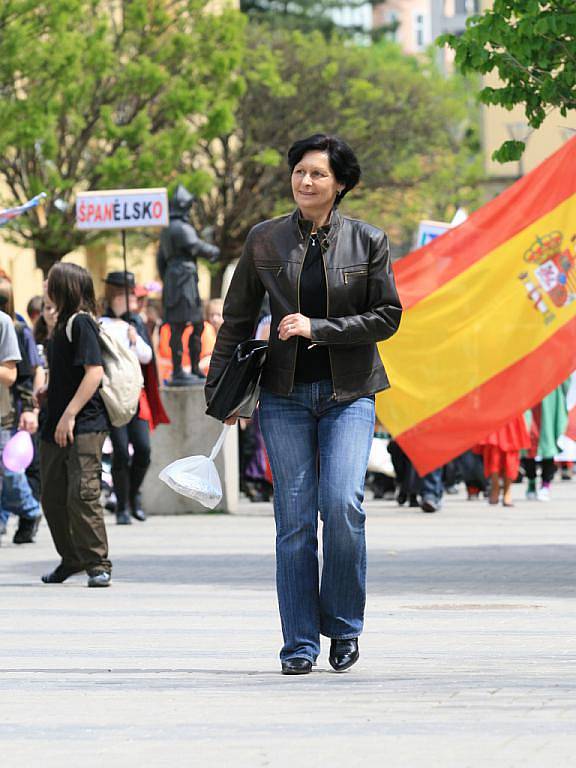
{"points": [[179, 250]]}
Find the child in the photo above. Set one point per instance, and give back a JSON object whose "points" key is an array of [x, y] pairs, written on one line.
{"points": [[73, 433], [501, 453]]}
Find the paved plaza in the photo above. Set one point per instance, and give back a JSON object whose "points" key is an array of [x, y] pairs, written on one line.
{"points": [[468, 659]]}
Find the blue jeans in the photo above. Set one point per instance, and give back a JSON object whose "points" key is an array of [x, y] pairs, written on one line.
{"points": [[15, 492], [17, 497], [432, 487], [318, 450]]}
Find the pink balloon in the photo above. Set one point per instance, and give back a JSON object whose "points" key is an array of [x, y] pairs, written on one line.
{"points": [[18, 452]]}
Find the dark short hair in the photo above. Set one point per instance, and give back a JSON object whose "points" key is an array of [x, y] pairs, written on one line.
{"points": [[343, 162], [34, 306], [6, 296], [71, 289]]}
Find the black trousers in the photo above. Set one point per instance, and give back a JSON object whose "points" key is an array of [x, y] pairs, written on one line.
{"points": [[128, 473], [407, 478], [548, 469], [137, 434]]}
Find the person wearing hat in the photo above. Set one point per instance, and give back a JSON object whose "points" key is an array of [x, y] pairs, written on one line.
{"points": [[128, 472], [179, 250]]}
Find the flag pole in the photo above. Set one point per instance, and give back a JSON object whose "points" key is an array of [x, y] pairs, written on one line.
{"points": [[125, 258]]}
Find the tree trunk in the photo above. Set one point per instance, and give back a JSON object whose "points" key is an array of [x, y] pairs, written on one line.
{"points": [[216, 283], [45, 258]]}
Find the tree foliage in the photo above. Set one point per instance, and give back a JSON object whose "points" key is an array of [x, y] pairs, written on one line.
{"points": [[531, 45], [100, 94], [412, 130]]}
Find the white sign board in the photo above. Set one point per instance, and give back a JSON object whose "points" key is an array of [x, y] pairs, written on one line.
{"points": [[122, 209], [429, 230]]}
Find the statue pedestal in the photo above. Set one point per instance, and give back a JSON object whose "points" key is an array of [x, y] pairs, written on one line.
{"points": [[190, 433]]}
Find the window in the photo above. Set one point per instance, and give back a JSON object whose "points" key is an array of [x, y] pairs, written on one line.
{"points": [[419, 31]]}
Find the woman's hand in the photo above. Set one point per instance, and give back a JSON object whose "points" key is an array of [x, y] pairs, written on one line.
{"points": [[294, 325], [65, 430]]}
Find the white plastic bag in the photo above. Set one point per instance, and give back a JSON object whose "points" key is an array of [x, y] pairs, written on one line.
{"points": [[380, 460], [196, 476]]}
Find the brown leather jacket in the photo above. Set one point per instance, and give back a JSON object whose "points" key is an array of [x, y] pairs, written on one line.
{"points": [[363, 305]]}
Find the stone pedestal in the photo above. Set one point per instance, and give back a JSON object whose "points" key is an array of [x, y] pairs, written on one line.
{"points": [[189, 433]]}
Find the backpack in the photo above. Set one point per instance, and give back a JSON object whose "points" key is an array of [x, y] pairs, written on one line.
{"points": [[122, 381]]}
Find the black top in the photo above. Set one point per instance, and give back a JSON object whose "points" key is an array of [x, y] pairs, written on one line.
{"points": [[66, 361], [313, 364]]}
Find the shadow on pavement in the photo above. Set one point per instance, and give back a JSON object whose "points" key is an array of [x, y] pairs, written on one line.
{"points": [[542, 570]]}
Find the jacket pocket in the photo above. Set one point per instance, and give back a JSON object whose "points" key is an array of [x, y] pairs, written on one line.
{"points": [[354, 274], [265, 267]]}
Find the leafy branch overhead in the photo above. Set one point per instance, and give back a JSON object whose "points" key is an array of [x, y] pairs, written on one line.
{"points": [[415, 134], [97, 94], [531, 46]]}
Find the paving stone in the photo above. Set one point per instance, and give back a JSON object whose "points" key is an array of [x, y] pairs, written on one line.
{"points": [[468, 659]]}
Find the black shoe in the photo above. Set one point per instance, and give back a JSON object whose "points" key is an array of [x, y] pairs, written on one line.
{"points": [[402, 498], [343, 654], [296, 666], [414, 500], [99, 579], [137, 475], [26, 531], [123, 518], [136, 508], [60, 574]]}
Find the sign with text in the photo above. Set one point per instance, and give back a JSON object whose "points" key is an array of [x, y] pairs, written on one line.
{"points": [[122, 208], [430, 230]]}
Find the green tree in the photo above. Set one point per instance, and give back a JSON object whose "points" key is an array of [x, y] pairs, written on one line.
{"points": [[98, 94], [414, 133], [531, 45]]}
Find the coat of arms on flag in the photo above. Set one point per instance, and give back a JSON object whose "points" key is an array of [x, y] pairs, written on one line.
{"points": [[554, 269]]}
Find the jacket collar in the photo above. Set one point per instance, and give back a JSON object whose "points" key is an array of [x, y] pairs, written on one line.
{"points": [[303, 227]]}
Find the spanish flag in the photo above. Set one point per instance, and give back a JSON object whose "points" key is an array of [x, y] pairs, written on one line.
{"points": [[489, 324]]}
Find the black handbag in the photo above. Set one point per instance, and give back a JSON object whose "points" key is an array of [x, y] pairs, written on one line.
{"points": [[238, 387]]}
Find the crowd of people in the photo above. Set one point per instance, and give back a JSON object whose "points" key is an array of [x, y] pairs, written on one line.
{"points": [[526, 448], [51, 368]]}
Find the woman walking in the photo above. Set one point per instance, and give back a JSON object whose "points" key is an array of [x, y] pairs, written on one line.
{"points": [[332, 298], [128, 472], [73, 432]]}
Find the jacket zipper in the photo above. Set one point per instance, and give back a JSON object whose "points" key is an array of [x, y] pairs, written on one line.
{"points": [[306, 241], [276, 267], [328, 315]]}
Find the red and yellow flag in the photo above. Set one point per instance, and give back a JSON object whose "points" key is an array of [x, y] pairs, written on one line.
{"points": [[489, 324]]}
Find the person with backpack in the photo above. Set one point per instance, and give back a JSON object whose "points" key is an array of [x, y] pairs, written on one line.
{"points": [[74, 430], [128, 328]]}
